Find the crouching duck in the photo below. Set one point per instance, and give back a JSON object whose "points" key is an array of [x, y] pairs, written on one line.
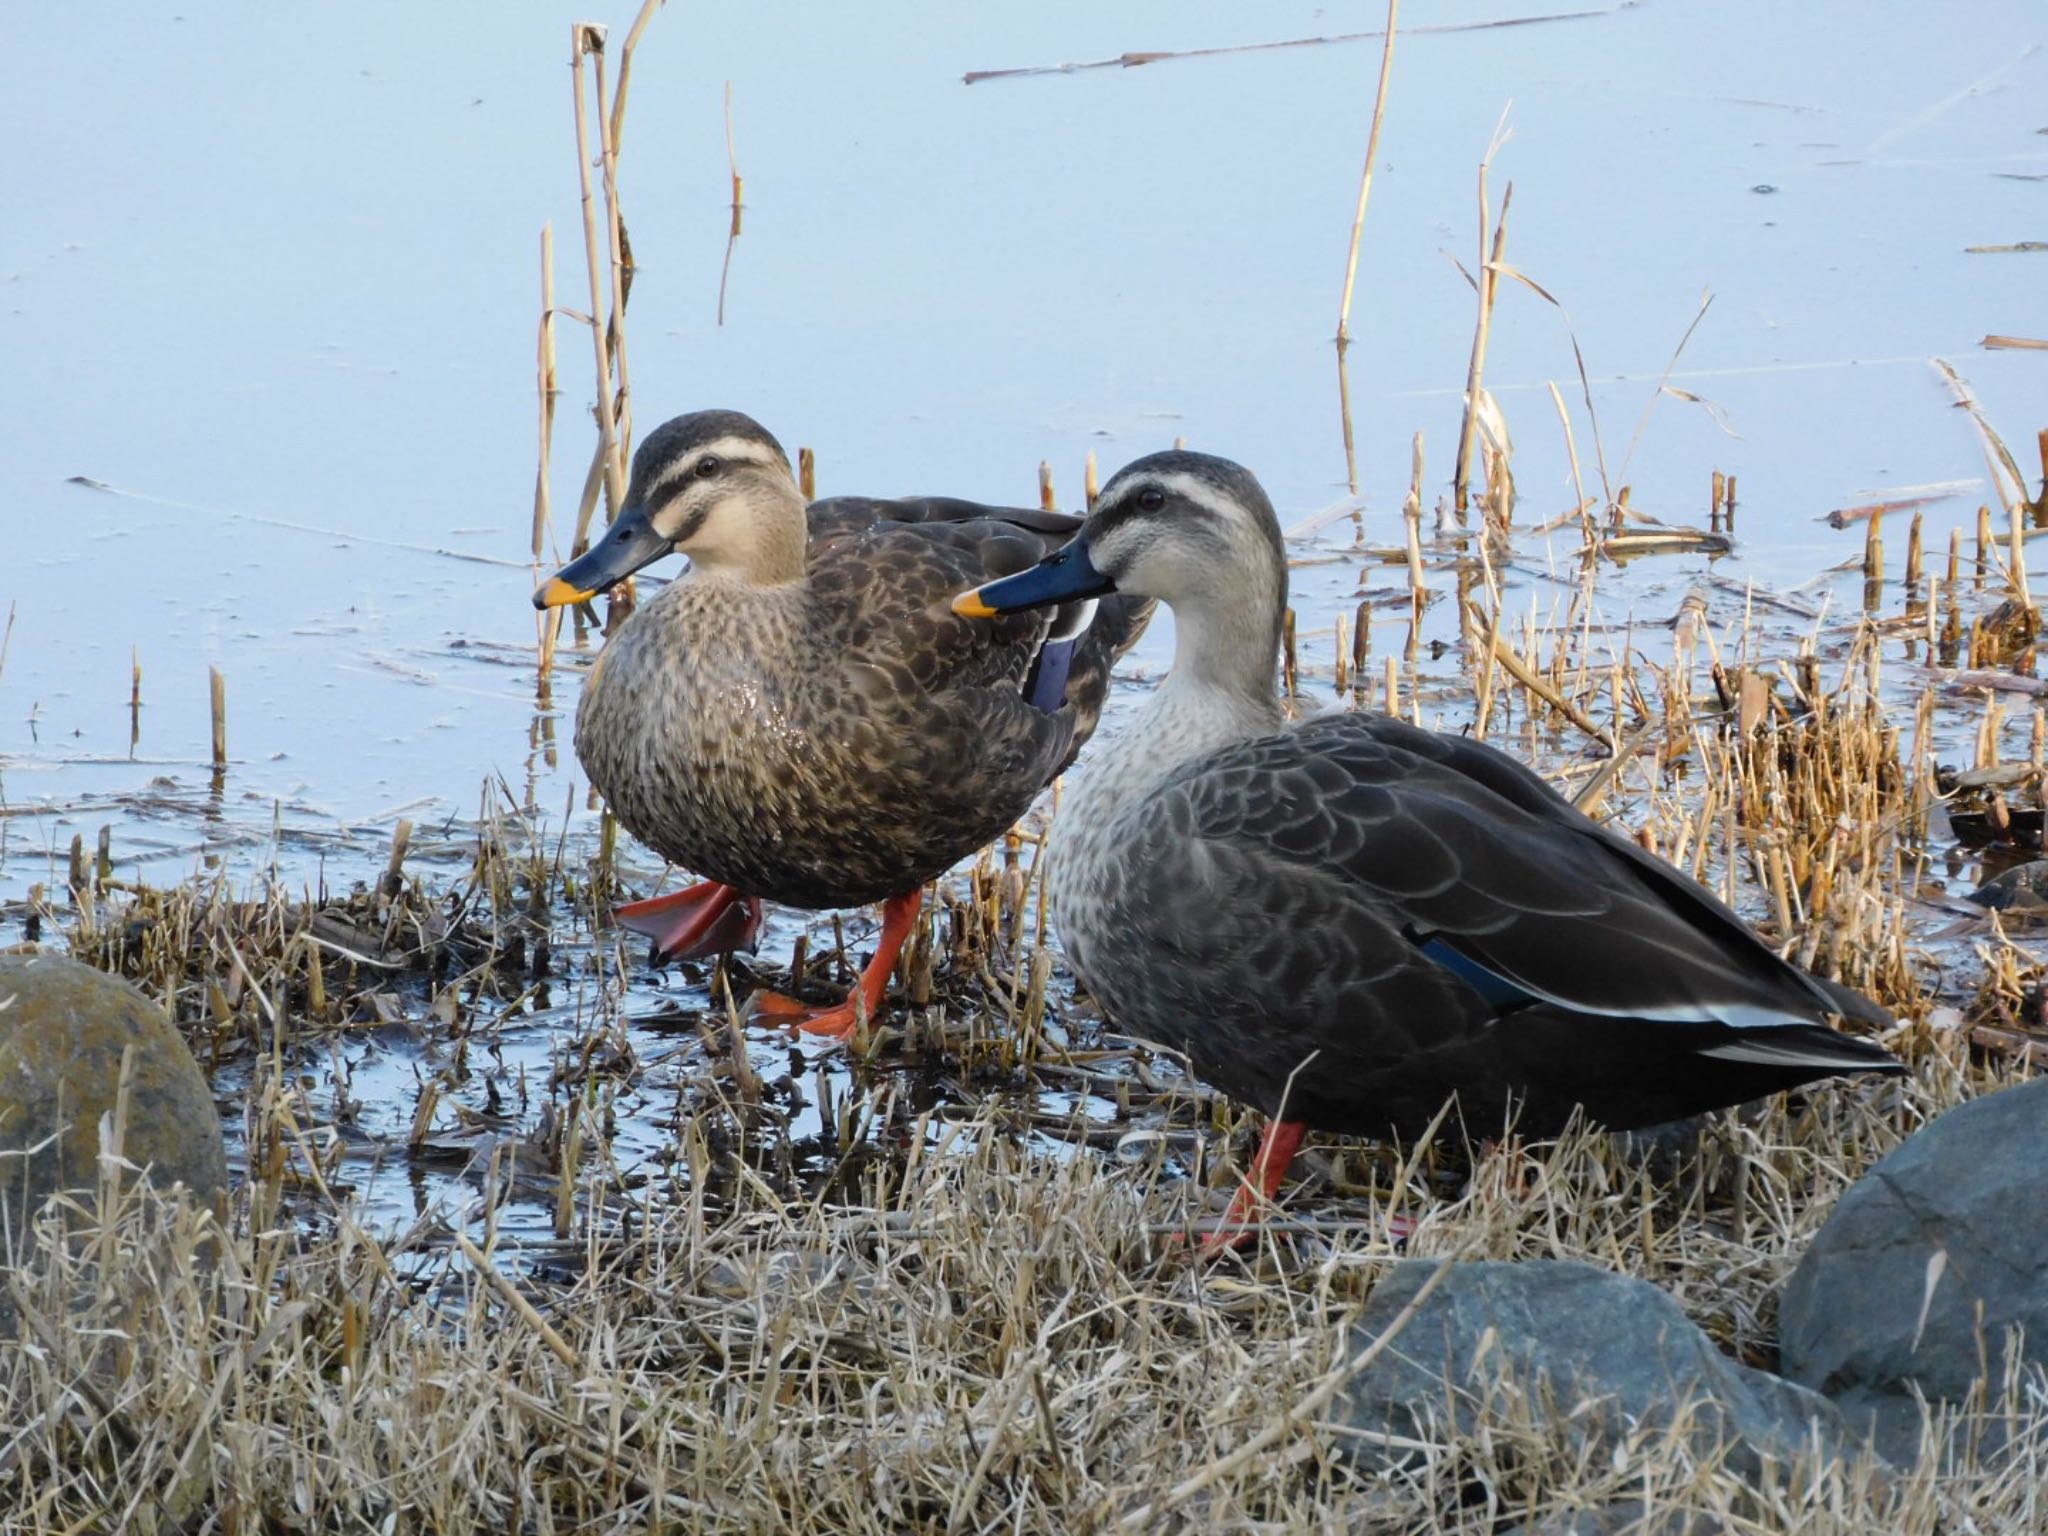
{"points": [[802, 718], [1347, 920]]}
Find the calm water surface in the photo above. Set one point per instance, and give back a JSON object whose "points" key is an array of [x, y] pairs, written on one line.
{"points": [[270, 282]]}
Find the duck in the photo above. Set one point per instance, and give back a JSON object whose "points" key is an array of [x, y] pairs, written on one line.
{"points": [[1346, 921], [801, 718]]}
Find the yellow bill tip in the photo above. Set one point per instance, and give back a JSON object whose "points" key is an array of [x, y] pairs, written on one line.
{"points": [[557, 593], [970, 606]]}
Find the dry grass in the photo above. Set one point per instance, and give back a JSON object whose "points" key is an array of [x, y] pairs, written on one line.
{"points": [[974, 1339]]}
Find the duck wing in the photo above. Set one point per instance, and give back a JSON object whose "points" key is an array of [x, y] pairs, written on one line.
{"points": [[926, 549], [1479, 861], [1411, 914]]}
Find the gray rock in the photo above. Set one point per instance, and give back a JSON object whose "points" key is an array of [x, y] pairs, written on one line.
{"points": [[1616, 1354], [64, 1028], [1969, 1193]]}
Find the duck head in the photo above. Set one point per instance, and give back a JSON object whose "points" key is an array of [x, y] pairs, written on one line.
{"points": [[1195, 532], [1190, 529], [713, 485]]}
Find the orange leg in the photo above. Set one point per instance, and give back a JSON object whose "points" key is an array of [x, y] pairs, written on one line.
{"points": [[1276, 1151], [697, 921], [899, 915], [1269, 1169]]}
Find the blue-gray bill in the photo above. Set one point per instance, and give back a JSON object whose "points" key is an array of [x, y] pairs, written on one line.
{"points": [[630, 544], [1064, 576]]}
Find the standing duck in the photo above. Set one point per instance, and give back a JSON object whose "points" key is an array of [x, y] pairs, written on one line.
{"points": [[801, 718], [1346, 920]]}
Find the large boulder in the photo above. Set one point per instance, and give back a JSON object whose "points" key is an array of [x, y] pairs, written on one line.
{"points": [[1615, 1354], [1925, 1265], [64, 1028]]}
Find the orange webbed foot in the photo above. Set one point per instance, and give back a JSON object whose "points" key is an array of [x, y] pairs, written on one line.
{"points": [[694, 923]]}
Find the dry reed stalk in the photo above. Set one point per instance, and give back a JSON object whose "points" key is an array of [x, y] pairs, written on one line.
{"points": [[1343, 337], [1048, 498], [807, 473], [739, 203], [2016, 561], [1411, 517], [546, 389], [2006, 478], [1492, 233], [134, 693], [1372, 146], [608, 467], [217, 690], [1571, 448]]}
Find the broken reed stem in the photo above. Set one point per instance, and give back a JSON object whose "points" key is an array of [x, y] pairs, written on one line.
{"points": [[1372, 150], [1533, 680], [618, 118], [218, 687], [1411, 516], [1091, 482], [548, 622], [528, 1314], [807, 473], [1048, 498], [2041, 501], [1997, 456], [1489, 269], [732, 159], [1344, 418], [2018, 560], [739, 204]]}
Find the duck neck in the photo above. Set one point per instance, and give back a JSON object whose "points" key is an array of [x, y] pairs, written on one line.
{"points": [[1222, 689], [1225, 659]]}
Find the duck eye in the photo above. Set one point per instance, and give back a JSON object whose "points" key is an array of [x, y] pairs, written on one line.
{"points": [[1151, 499], [709, 465]]}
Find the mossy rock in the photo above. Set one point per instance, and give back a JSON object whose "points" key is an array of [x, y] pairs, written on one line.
{"points": [[63, 1030]]}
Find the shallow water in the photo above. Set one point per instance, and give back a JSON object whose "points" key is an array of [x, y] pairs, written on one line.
{"points": [[273, 289]]}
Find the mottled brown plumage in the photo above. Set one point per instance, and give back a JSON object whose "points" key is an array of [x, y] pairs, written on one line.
{"points": [[802, 716]]}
